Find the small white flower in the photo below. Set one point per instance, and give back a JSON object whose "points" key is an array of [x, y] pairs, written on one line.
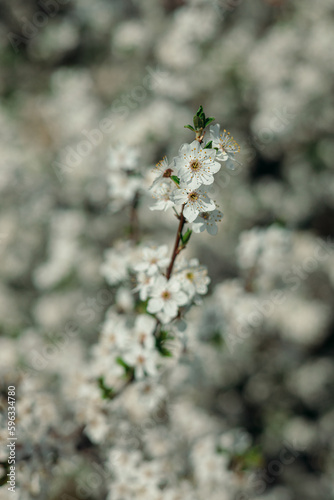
{"points": [[122, 189], [144, 285], [207, 220], [114, 332], [164, 170], [124, 299], [143, 360], [123, 157], [153, 259], [163, 194], [227, 146], [115, 267], [196, 201], [166, 298], [143, 331], [195, 166], [194, 278]]}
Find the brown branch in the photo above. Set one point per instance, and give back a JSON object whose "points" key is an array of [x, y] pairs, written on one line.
{"points": [[176, 249]]}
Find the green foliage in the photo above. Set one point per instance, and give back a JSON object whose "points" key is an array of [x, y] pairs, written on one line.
{"points": [[127, 368], [200, 121], [159, 343], [141, 306], [186, 237], [107, 392]]}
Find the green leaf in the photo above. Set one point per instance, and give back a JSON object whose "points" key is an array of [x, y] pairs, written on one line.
{"points": [[186, 237], [208, 145], [159, 343], [197, 122], [175, 179], [200, 121], [253, 457], [107, 392], [165, 352], [200, 111], [128, 369], [141, 306], [209, 120]]}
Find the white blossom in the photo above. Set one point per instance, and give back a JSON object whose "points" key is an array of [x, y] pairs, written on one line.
{"points": [[195, 166], [114, 269], [196, 201], [122, 189], [166, 298], [143, 330], [153, 260], [227, 146], [164, 170], [143, 360], [207, 220], [123, 157], [163, 193], [118, 260], [144, 285], [194, 278], [114, 332]]}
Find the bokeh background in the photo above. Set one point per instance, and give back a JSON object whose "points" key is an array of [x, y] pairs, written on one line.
{"points": [[264, 69]]}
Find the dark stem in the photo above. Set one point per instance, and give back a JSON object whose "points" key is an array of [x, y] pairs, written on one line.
{"points": [[176, 250], [134, 221]]}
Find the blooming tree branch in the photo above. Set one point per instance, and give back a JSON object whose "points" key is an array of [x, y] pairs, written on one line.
{"points": [[166, 287]]}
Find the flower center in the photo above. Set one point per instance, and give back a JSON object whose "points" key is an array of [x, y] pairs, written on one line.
{"points": [[142, 337], [195, 165], [193, 196], [167, 173], [205, 215], [190, 276], [166, 295], [141, 359], [147, 389]]}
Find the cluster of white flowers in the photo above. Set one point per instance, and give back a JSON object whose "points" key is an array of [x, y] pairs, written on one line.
{"points": [[167, 286], [166, 296], [187, 179]]}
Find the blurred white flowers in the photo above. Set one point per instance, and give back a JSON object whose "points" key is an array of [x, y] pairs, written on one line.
{"points": [[153, 260], [166, 297]]}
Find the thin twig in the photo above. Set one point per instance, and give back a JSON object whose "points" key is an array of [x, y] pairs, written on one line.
{"points": [[176, 249]]}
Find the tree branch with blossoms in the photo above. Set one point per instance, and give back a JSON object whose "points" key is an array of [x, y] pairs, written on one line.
{"points": [[167, 287]]}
